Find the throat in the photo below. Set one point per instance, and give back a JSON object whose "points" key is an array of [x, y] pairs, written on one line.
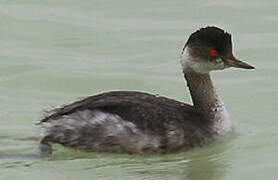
{"points": [[203, 94]]}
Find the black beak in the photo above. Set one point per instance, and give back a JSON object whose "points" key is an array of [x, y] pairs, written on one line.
{"points": [[233, 62]]}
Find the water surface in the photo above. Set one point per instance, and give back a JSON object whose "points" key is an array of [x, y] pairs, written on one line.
{"points": [[54, 52]]}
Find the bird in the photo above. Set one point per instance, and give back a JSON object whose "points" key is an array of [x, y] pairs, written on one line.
{"points": [[138, 122]]}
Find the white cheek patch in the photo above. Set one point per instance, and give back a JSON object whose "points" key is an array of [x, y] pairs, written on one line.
{"points": [[192, 64], [199, 65], [185, 59]]}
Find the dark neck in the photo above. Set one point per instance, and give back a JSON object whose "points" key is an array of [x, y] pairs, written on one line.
{"points": [[203, 94]]}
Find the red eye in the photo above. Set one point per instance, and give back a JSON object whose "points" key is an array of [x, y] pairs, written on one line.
{"points": [[213, 53]]}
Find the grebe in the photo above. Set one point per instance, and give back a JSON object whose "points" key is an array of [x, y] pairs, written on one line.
{"points": [[137, 122]]}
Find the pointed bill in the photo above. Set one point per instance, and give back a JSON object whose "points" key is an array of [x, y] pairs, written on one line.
{"points": [[233, 62]]}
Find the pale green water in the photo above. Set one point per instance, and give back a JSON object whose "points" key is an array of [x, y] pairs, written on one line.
{"points": [[53, 52]]}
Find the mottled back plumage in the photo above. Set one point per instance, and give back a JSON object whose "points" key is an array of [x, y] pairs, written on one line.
{"points": [[156, 116]]}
